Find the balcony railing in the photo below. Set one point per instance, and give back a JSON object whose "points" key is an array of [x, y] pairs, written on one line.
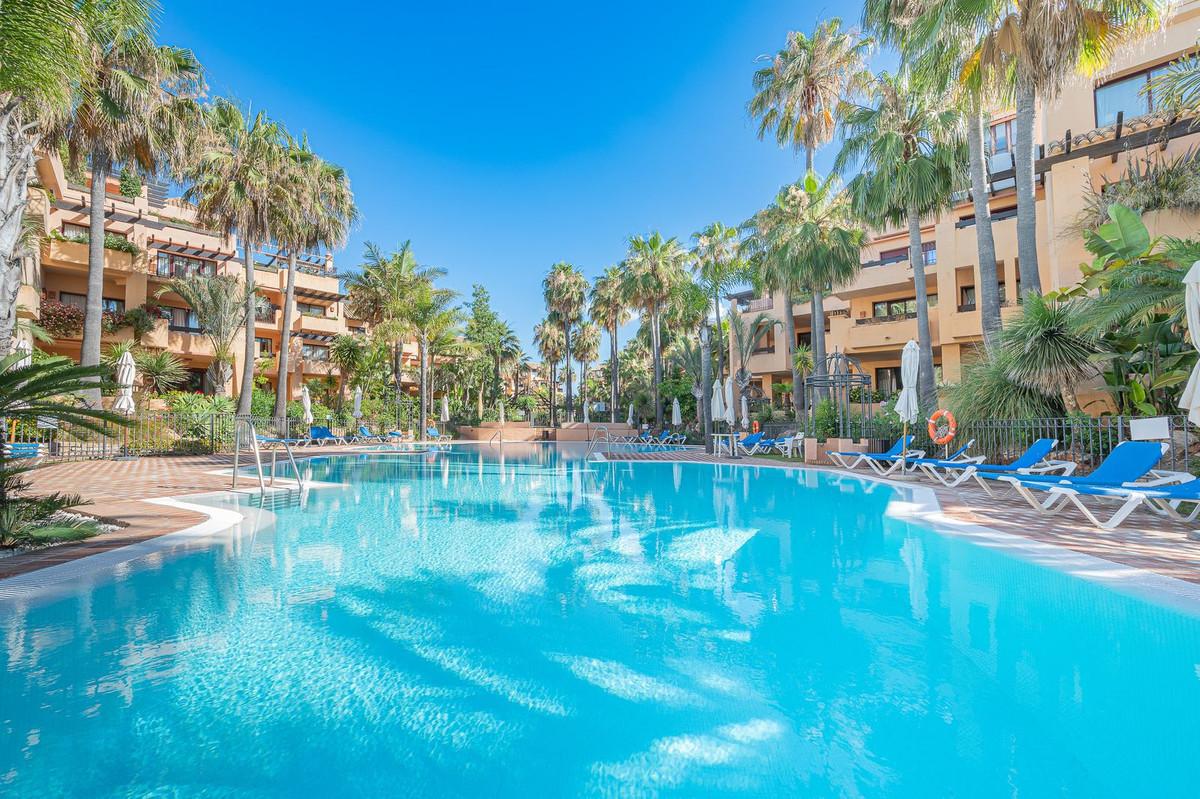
{"points": [[966, 307], [184, 329], [879, 320], [763, 304]]}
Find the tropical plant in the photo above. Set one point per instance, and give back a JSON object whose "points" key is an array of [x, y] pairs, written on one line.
{"points": [[565, 290], [42, 58], [431, 313], [381, 293], [652, 270], [319, 215], [987, 391], [909, 146], [799, 94], [689, 310], [220, 305], [719, 267], [807, 241], [135, 106], [610, 311], [60, 319], [238, 187], [1035, 47], [548, 338], [1177, 86], [161, 371], [587, 349], [747, 335], [38, 390], [1046, 350], [347, 353], [1149, 184]]}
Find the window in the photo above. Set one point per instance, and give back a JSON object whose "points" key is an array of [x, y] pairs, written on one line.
{"points": [[928, 248], [966, 298], [262, 347], [78, 300], [1130, 95], [1002, 137], [308, 309], [929, 252], [315, 352], [767, 343], [887, 380], [804, 339], [884, 309], [183, 320], [173, 265], [73, 231]]}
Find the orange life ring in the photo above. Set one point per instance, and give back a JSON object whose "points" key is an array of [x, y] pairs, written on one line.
{"points": [[947, 431]]}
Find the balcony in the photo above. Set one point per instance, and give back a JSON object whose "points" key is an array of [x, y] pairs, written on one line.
{"points": [[886, 275], [56, 252], [327, 325], [887, 332], [179, 339], [761, 304]]}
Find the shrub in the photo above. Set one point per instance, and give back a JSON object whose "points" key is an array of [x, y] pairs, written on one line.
{"points": [[131, 183], [60, 319], [141, 320], [161, 371]]}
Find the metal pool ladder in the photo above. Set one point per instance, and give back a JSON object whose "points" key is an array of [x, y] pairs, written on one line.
{"points": [[500, 435], [600, 435], [247, 424]]}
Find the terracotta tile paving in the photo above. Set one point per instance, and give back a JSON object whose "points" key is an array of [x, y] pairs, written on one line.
{"points": [[116, 489]]}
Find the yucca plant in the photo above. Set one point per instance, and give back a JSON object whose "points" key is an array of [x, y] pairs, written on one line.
{"points": [[46, 389], [161, 371], [220, 303]]}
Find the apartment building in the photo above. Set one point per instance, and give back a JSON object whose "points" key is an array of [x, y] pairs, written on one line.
{"points": [[166, 241], [1090, 135]]}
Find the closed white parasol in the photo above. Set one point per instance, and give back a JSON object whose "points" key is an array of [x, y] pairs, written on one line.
{"points": [[1189, 400], [126, 375], [306, 404]]}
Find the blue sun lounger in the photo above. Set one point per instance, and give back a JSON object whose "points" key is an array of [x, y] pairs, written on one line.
{"points": [[1032, 461], [882, 463], [1117, 476]]}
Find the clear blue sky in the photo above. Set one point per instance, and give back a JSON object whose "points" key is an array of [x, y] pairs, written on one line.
{"points": [[502, 137]]}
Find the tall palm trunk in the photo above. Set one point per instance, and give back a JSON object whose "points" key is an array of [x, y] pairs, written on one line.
{"points": [[89, 354], [422, 413], [706, 381], [16, 165], [789, 334], [989, 293], [817, 334], [1027, 256], [247, 385], [656, 346], [613, 367], [568, 399], [553, 392], [282, 394], [720, 336], [926, 389]]}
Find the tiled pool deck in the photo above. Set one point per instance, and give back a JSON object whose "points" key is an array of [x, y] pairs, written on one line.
{"points": [[117, 489]]}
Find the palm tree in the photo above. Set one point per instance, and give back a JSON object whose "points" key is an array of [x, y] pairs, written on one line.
{"points": [[321, 193], [431, 312], [798, 95], [135, 107], [1035, 47], [689, 310], [160, 371], [908, 145], [653, 269], [220, 306], [565, 290], [719, 267], [381, 293], [807, 240], [587, 349], [609, 310], [939, 50], [43, 60], [1046, 351], [550, 341], [747, 335], [239, 185], [347, 353]]}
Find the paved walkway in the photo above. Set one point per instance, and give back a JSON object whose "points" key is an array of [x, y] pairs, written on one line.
{"points": [[117, 489]]}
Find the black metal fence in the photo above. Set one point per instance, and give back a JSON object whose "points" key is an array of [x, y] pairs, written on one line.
{"points": [[1081, 439]]}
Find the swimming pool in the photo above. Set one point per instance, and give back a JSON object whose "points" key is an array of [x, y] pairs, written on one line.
{"points": [[455, 624]]}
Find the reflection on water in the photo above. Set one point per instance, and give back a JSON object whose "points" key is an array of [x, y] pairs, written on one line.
{"points": [[525, 623]]}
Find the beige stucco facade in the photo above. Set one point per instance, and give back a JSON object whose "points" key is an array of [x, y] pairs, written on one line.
{"points": [[1096, 153], [169, 240]]}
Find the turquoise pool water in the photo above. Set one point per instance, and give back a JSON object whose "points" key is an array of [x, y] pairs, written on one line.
{"points": [[453, 625]]}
